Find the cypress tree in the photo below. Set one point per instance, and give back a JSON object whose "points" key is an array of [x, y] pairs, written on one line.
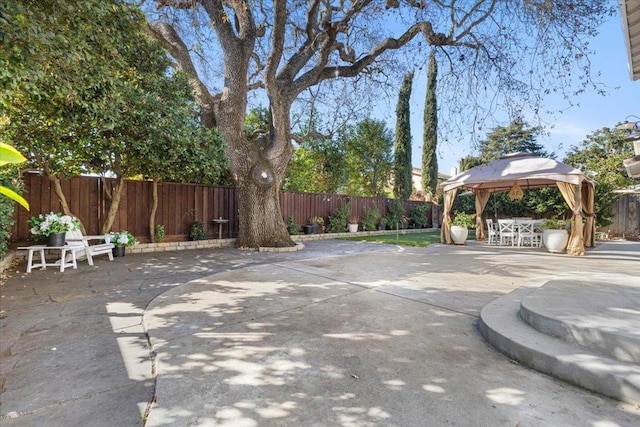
{"points": [[430, 134], [402, 168]]}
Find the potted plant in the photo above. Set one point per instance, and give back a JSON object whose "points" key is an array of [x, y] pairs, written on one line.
{"points": [[461, 224], [121, 240], [554, 234], [352, 223], [314, 226], [53, 226]]}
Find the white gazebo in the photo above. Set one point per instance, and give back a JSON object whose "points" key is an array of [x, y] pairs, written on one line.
{"points": [[518, 171]]}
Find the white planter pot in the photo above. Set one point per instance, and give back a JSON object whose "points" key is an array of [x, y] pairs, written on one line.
{"points": [[459, 234], [555, 240], [353, 228]]}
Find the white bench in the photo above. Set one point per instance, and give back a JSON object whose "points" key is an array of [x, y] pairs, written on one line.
{"points": [[80, 243], [62, 262]]}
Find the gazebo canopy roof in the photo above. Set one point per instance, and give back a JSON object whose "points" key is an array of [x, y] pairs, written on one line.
{"points": [[528, 170]]}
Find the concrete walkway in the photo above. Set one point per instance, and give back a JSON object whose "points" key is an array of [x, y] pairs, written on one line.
{"points": [[341, 333]]}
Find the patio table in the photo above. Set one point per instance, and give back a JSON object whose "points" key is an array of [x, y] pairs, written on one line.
{"points": [[43, 261]]}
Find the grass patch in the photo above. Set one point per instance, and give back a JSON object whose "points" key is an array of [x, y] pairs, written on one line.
{"points": [[409, 239]]}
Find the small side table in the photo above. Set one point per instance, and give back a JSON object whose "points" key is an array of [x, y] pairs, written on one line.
{"points": [[220, 221], [43, 261]]}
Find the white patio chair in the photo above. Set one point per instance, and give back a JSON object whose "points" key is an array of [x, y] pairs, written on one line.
{"points": [[507, 230], [493, 235], [81, 243], [526, 234]]}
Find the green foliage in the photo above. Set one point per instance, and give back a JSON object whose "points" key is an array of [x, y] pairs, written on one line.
{"points": [[9, 178], [338, 219], [257, 119], [430, 134], [196, 231], [370, 219], [369, 157], [554, 224], [159, 233], [516, 137], [318, 165], [93, 94], [462, 219], [9, 156], [469, 162], [419, 214], [402, 168], [292, 227], [600, 157], [395, 214]]}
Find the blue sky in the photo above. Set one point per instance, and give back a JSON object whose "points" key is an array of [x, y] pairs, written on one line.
{"points": [[592, 112]]}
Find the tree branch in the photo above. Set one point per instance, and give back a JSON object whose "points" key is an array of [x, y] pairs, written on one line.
{"points": [[167, 35]]}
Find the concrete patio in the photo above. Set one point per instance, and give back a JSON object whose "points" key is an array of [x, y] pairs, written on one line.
{"points": [[341, 333]]}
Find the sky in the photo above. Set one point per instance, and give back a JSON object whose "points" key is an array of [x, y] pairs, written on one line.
{"points": [[591, 112]]}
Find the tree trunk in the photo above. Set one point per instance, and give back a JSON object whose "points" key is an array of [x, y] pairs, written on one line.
{"points": [[260, 217], [63, 200], [152, 215], [115, 196]]}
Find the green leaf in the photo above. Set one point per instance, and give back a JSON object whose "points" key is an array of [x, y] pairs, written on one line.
{"points": [[8, 154], [14, 196]]}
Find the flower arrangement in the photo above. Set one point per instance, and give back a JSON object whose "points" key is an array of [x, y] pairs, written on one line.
{"points": [[53, 223], [122, 239]]}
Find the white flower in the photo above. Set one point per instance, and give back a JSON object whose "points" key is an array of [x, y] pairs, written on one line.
{"points": [[123, 239]]}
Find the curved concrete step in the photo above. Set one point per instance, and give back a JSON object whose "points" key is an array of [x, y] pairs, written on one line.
{"points": [[502, 327], [601, 317]]}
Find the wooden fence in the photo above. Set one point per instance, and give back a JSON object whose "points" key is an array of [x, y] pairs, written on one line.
{"points": [[626, 217], [179, 205]]}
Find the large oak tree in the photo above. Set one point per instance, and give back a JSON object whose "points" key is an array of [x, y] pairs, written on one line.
{"points": [[284, 48]]}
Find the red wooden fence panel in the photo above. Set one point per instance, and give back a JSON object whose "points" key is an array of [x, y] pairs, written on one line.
{"points": [[179, 206]]}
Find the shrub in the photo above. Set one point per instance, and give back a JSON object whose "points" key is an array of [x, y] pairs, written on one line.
{"points": [[370, 219], [418, 215], [395, 214], [338, 220], [292, 227], [159, 232], [196, 232]]}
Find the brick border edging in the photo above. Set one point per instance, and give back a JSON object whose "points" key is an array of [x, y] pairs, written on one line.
{"points": [[7, 261]]}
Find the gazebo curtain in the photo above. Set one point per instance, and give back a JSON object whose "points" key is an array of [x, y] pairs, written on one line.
{"points": [[482, 197], [572, 194], [445, 232], [588, 196]]}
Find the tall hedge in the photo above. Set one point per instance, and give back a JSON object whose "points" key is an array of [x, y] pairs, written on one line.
{"points": [[402, 183], [430, 135]]}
